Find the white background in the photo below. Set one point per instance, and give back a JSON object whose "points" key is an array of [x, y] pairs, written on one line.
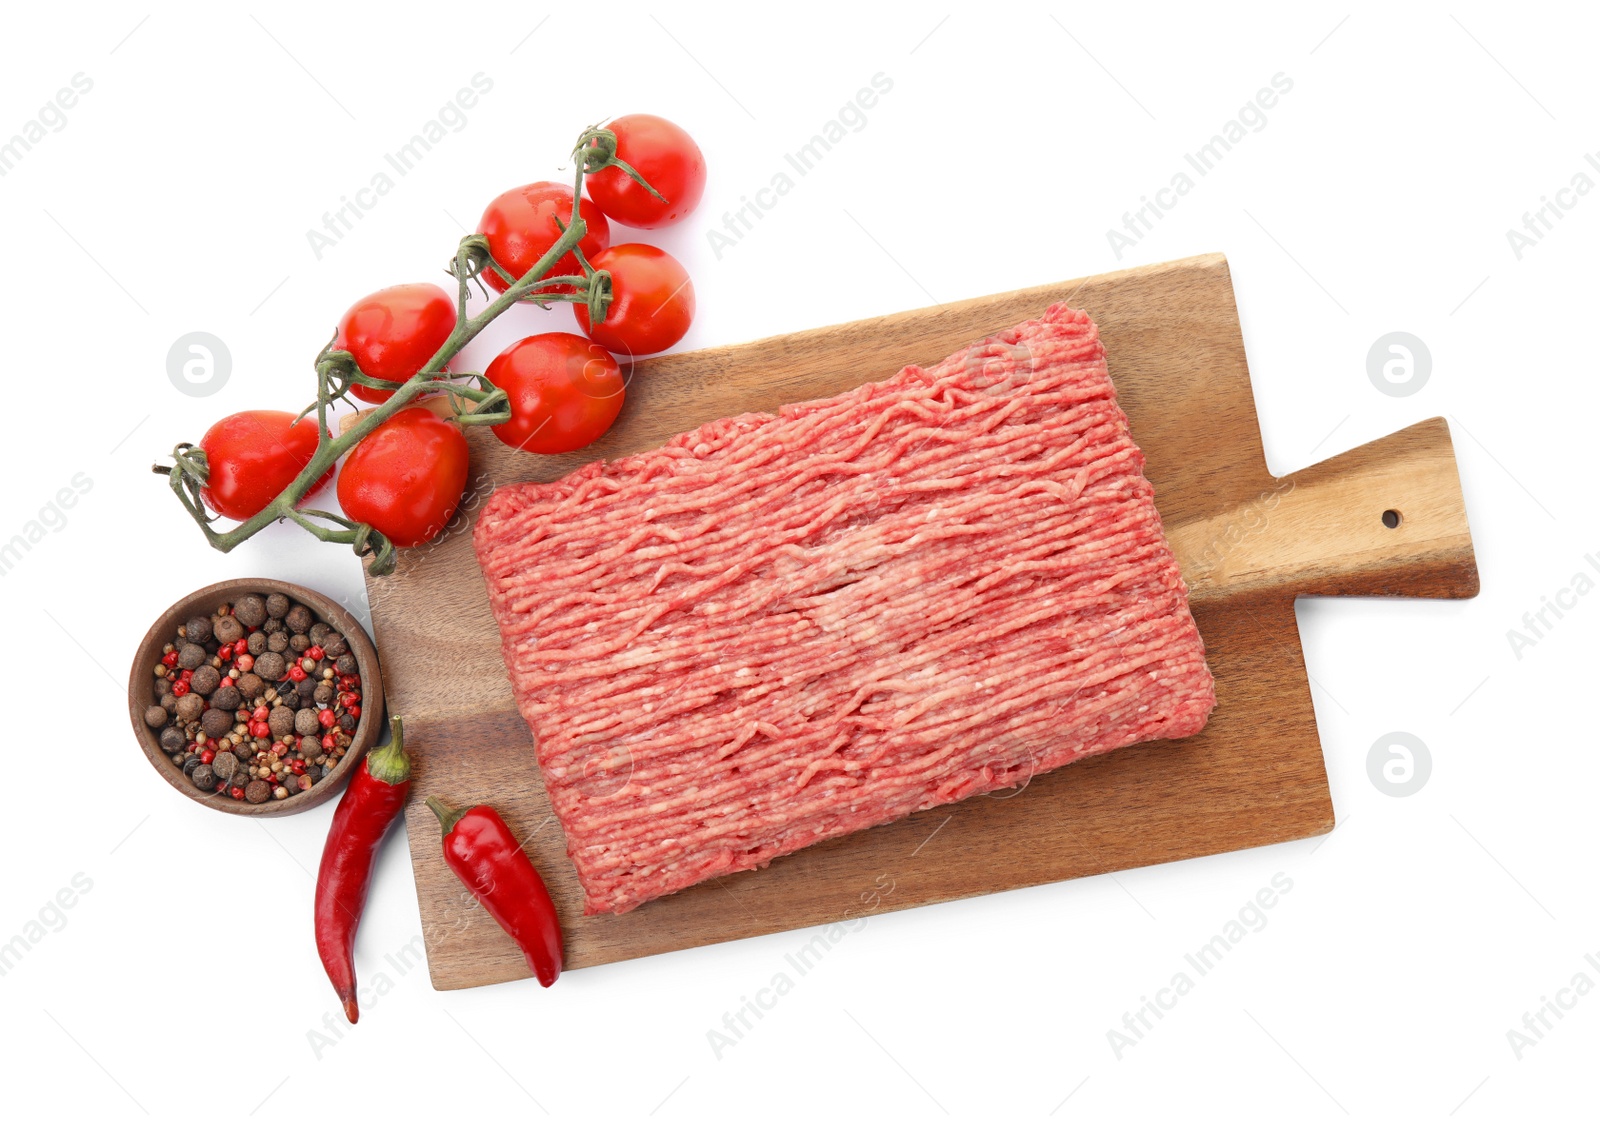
{"points": [[1377, 198]]}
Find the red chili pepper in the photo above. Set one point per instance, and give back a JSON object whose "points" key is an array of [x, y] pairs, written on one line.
{"points": [[375, 798], [484, 854]]}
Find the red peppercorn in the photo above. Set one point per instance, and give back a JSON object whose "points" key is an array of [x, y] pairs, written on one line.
{"points": [[207, 757], [279, 748], [261, 712], [181, 688], [355, 712], [327, 742], [225, 652], [259, 729], [245, 662], [227, 681], [327, 718], [315, 652], [346, 682], [296, 673], [170, 659], [236, 793]]}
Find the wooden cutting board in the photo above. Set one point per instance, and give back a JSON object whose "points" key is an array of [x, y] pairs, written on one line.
{"points": [[1248, 546]]}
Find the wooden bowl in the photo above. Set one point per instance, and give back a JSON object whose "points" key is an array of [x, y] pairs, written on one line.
{"points": [[203, 602]]}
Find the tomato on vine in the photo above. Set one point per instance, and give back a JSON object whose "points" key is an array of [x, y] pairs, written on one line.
{"points": [[523, 223], [395, 332], [652, 300], [405, 479], [251, 457], [565, 391], [669, 161]]}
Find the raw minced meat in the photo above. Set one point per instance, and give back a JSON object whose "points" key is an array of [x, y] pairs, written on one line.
{"points": [[781, 628]]}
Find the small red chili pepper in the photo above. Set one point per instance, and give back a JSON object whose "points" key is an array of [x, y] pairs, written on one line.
{"points": [[489, 860], [375, 798]]}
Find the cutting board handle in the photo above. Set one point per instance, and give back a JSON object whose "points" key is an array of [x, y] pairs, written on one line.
{"points": [[1384, 519]]}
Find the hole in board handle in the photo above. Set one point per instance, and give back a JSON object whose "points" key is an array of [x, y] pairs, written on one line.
{"points": [[1391, 518]]}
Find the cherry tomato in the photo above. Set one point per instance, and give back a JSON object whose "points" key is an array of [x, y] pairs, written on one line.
{"points": [[252, 456], [652, 300], [666, 157], [521, 226], [395, 332], [565, 391], [406, 479]]}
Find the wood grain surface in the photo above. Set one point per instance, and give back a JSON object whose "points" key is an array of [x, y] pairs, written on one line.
{"points": [[1248, 545]]}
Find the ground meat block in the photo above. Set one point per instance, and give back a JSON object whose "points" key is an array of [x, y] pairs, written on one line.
{"points": [[778, 629]]}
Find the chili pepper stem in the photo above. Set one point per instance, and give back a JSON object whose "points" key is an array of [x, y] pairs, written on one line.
{"points": [[389, 763], [447, 816]]}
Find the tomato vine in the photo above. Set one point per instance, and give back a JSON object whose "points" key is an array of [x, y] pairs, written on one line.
{"points": [[337, 374]]}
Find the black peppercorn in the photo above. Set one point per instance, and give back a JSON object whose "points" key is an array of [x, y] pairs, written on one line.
{"points": [[277, 641], [347, 723], [333, 645], [227, 630], [225, 764], [281, 720], [310, 747], [277, 605], [239, 780], [270, 666], [216, 723], [205, 680], [155, 716], [305, 721], [204, 777], [190, 707], [346, 665], [191, 656], [324, 693], [251, 685], [173, 740], [257, 792], [299, 642], [256, 643], [191, 762], [198, 630], [161, 687], [250, 610], [319, 632], [299, 618], [227, 699]]}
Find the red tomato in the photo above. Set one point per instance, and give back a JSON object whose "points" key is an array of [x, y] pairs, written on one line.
{"points": [[405, 480], [652, 300], [252, 456], [666, 157], [565, 391], [521, 226], [395, 332]]}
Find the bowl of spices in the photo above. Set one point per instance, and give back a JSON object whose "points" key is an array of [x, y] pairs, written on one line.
{"points": [[256, 696]]}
